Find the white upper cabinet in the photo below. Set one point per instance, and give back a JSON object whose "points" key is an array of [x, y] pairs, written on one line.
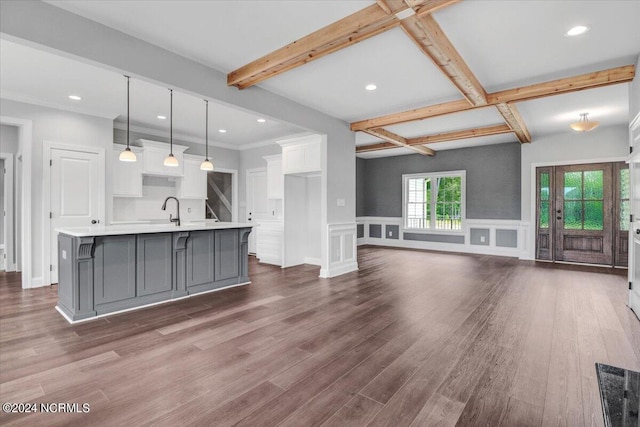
{"points": [[127, 176], [154, 155], [193, 184], [301, 156], [275, 177]]}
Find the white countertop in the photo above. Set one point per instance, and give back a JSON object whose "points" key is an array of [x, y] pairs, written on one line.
{"points": [[120, 229]]}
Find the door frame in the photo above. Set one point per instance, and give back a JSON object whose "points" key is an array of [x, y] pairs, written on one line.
{"points": [[9, 208], [25, 138], [47, 146], [246, 192], [533, 194], [234, 190]]}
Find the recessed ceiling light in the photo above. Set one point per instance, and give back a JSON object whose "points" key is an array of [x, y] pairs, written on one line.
{"points": [[75, 97], [577, 30], [161, 117], [371, 86], [222, 130], [261, 120]]}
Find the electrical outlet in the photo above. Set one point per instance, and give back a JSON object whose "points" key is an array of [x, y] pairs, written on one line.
{"points": [[189, 210], [390, 233], [340, 202], [482, 239]]}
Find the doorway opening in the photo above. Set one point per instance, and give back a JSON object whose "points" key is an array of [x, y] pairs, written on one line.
{"points": [[582, 213], [219, 203]]}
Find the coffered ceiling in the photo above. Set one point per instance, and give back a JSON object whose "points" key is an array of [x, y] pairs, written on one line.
{"points": [[502, 44]]}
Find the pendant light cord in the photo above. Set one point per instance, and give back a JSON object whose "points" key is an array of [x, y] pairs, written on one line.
{"points": [[206, 131], [171, 122], [128, 115]]}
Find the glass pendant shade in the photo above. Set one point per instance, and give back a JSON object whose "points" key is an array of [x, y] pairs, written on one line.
{"points": [[206, 165], [127, 155], [584, 125], [171, 161]]}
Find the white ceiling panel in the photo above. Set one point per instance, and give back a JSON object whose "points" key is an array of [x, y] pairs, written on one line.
{"points": [[43, 78], [513, 41], [334, 84], [608, 105], [223, 34]]}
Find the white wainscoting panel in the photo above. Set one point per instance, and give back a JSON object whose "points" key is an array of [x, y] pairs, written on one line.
{"points": [[342, 254], [520, 228]]}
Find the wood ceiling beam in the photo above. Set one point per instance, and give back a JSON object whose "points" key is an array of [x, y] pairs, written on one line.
{"points": [[350, 30], [594, 80], [425, 32], [441, 137], [513, 118], [399, 141]]}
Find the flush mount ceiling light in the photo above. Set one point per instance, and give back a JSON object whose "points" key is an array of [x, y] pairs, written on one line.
{"points": [[127, 155], [371, 87], [75, 97], [161, 117], [170, 160], [261, 120], [577, 30], [222, 130], [206, 165], [584, 125]]}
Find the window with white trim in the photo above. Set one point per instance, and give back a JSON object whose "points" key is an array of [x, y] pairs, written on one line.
{"points": [[434, 201]]}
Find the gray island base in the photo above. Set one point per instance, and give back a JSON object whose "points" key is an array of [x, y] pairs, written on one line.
{"points": [[109, 269]]}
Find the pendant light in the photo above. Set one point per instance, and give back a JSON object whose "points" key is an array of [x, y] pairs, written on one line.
{"points": [[127, 155], [584, 125], [170, 160], [206, 165]]}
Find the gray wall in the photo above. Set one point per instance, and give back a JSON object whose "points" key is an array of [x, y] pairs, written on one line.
{"points": [[2, 204], [8, 139], [360, 188], [62, 127], [493, 180]]}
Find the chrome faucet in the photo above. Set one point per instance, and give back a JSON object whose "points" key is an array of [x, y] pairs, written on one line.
{"points": [[164, 208]]}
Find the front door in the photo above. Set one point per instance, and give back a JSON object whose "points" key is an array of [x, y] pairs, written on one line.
{"points": [[582, 213], [75, 200]]}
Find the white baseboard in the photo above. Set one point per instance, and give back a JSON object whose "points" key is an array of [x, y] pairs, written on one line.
{"points": [[337, 270], [37, 282], [312, 261]]}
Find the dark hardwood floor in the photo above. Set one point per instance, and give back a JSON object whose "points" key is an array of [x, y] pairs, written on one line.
{"points": [[412, 339]]}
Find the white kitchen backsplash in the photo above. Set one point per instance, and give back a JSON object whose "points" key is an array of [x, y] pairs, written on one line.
{"points": [[147, 207]]}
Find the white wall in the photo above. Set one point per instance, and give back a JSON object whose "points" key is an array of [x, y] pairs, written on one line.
{"points": [[9, 139], [62, 127], [634, 93], [603, 143], [2, 219], [10, 144], [313, 226]]}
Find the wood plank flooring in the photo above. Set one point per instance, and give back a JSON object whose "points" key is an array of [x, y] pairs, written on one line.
{"points": [[412, 339]]}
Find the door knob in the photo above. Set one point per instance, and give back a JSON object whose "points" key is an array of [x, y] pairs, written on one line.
{"points": [[559, 211], [637, 230], [558, 217], [93, 221]]}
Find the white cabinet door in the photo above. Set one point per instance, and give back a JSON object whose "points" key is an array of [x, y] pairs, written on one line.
{"points": [[193, 184], [257, 202], [127, 176], [153, 162], [275, 177], [301, 158]]}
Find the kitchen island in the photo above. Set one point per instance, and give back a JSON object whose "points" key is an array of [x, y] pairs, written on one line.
{"points": [[105, 269]]}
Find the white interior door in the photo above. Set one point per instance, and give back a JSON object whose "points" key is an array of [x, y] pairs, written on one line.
{"points": [[257, 203], [75, 195]]}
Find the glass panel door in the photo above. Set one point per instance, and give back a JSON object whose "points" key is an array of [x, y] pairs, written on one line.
{"points": [[544, 224], [583, 216]]}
